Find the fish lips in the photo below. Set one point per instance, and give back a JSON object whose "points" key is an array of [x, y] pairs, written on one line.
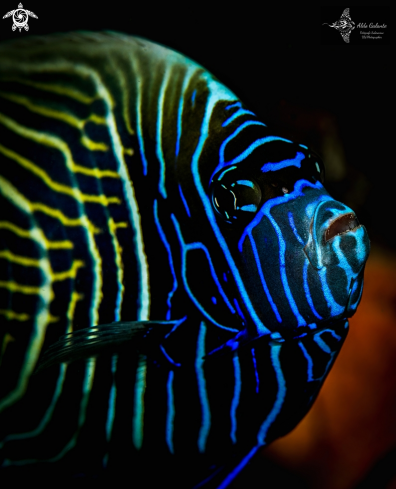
{"points": [[331, 223]]}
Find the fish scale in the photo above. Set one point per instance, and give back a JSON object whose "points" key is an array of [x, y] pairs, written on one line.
{"points": [[175, 281]]}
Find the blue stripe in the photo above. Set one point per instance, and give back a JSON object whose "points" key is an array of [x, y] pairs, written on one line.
{"points": [[266, 211], [242, 464], [282, 264], [296, 161], [280, 397], [213, 98], [342, 258], [111, 406], [203, 395], [235, 399], [263, 282], [322, 345], [139, 132], [257, 143], [236, 104], [309, 362], [335, 308], [160, 154], [307, 291], [170, 415], [184, 249], [196, 246], [235, 115], [293, 226], [230, 138], [170, 360], [184, 201], [168, 249], [246, 183], [225, 171], [179, 322], [255, 371], [239, 310]]}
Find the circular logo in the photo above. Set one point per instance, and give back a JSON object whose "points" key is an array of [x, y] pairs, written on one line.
{"points": [[20, 18]]}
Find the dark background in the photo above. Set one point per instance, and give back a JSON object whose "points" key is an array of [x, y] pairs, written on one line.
{"points": [[338, 98]]}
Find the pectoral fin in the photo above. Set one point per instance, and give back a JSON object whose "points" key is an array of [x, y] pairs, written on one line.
{"points": [[108, 338]]}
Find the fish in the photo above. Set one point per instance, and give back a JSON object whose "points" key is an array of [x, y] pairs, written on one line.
{"points": [[175, 280], [344, 26]]}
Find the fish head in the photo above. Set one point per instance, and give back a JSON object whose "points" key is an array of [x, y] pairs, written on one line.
{"points": [[300, 253]]}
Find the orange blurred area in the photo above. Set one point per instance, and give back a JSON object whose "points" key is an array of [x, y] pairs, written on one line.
{"points": [[352, 424]]}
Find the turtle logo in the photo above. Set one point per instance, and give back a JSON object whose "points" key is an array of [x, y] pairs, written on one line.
{"points": [[20, 16], [345, 25]]}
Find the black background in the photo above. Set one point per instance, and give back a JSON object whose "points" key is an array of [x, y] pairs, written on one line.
{"points": [[269, 57]]}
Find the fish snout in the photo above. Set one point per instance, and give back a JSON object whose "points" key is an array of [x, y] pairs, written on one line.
{"points": [[337, 238]]}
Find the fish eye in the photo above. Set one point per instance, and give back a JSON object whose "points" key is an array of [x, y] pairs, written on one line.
{"points": [[235, 199]]}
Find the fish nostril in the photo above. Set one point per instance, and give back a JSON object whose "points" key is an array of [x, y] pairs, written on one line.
{"points": [[342, 225]]}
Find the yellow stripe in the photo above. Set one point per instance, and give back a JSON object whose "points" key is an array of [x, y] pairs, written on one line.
{"points": [[95, 118], [121, 224], [23, 233], [57, 143], [46, 139], [59, 276], [57, 187], [94, 172], [12, 194], [64, 117], [20, 260], [93, 145], [6, 340], [23, 289], [29, 234], [59, 245], [58, 89], [75, 297], [45, 111], [67, 221], [53, 319], [129, 192], [33, 351], [45, 292], [19, 316]]}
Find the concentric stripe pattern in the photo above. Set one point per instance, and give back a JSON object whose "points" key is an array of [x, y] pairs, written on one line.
{"points": [[134, 186]]}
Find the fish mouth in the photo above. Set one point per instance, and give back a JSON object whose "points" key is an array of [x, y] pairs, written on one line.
{"points": [[342, 225]]}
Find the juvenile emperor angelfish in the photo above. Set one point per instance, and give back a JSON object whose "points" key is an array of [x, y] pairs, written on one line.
{"points": [[175, 281]]}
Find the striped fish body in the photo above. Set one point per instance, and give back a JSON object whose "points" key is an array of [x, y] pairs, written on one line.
{"points": [[137, 191]]}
